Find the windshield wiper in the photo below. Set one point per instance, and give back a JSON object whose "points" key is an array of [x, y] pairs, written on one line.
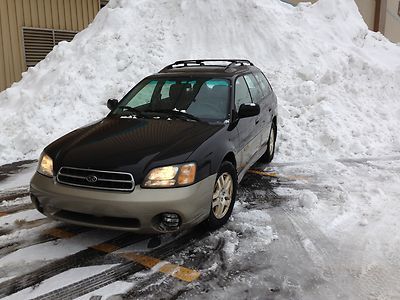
{"points": [[176, 113], [133, 110]]}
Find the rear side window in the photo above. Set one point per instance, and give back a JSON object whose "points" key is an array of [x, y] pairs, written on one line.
{"points": [[266, 88], [254, 88], [242, 94]]}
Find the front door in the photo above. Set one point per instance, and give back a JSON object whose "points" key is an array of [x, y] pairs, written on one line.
{"points": [[248, 141], [257, 96]]}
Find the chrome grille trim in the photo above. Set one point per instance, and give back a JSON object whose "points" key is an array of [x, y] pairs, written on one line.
{"points": [[106, 180]]}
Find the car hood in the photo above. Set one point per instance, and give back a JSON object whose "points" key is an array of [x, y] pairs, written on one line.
{"points": [[130, 145]]}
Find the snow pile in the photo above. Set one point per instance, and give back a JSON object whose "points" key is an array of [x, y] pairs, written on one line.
{"points": [[337, 82]]}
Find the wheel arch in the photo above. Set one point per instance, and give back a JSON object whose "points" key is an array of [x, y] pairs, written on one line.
{"points": [[230, 157]]}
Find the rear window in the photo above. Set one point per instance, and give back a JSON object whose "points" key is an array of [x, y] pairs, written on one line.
{"points": [[262, 80]]}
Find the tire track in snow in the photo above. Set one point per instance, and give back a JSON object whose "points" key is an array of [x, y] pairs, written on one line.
{"points": [[351, 161], [15, 208], [302, 258], [22, 224], [125, 269], [20, 218], [57, 266], [292, 266], [46, 235], [14, 194], [346, 268]]}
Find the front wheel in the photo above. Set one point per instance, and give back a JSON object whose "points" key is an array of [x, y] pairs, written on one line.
{"points": [[224, 195]]}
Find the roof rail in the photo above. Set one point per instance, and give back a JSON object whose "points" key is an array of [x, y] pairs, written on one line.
{"points": [[240, 63], [201, 62]]}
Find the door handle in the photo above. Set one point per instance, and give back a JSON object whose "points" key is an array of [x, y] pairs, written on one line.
{"points": [[269, 109], [257, 121]]}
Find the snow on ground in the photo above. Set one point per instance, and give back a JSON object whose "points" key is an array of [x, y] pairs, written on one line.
{"points": [[18, 180], [107, 292], [17, 201], [337, 82], [30, 257], [23, 216], [353, 195], [24, 236], [67, 277], [357, 208]]}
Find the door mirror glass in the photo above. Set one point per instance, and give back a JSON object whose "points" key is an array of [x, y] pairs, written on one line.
{"points": [[112, 103], [249, 110]]}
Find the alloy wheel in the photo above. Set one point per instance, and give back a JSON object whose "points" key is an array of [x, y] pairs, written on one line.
{"points": [[222, 196]]}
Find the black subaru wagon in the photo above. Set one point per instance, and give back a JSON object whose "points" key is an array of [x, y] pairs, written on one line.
{"points": [[169, 155]]}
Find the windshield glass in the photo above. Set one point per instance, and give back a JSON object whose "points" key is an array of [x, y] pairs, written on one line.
{"points": [[203, 98]]}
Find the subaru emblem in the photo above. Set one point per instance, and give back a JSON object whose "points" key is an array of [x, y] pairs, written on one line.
{"points": [[91, 178]]}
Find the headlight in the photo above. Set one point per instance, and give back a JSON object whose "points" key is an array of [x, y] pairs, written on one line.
{"points": [[45, 166], [171, 176]]}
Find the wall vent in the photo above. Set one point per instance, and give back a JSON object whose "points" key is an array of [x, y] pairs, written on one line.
{"points": [[39, 42]]}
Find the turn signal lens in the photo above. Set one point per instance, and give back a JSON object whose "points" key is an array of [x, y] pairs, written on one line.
{"points": [[187, 174], [45, 166], [171, 176]]}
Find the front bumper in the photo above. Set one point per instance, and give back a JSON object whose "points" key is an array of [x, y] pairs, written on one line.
{"points": [[139, 211]]}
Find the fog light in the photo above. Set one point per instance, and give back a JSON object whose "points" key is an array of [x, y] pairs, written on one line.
{"points": [[170, 221]]}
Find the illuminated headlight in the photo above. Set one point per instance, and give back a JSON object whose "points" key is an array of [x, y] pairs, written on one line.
{"points": [[45, 166], [171, 176]]}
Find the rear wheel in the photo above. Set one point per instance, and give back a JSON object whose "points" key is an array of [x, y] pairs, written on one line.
{"points": [[224, 195], [268, 156]]}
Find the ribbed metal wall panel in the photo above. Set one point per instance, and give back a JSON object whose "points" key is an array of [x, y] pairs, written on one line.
{"points": [[392, 26], [69, 15], [39, 42]]}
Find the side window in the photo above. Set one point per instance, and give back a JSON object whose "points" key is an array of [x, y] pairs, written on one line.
{"points": [[242, 94], [263, 83], [254, 87]]}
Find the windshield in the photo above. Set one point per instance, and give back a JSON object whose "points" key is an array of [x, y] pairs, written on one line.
{"points": [[202, 98]]}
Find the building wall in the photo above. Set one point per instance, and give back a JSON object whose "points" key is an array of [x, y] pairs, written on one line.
{"points": [[72, 15], [392, 25], [367, 10], [390, 20]]}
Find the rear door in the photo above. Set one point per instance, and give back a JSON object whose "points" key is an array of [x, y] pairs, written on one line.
{"points": [[248, 142], [266, 105]]}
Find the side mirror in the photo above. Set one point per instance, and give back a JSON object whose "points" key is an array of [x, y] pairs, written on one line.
{"points": [[112, 103], [249, 110]]}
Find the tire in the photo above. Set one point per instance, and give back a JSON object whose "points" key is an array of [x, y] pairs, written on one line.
{"points": [[218, 218], [268, 156]]}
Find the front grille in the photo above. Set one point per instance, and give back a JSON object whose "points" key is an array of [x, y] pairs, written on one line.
{"points": [[95, 179]]}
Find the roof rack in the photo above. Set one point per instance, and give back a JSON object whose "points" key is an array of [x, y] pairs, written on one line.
{"points": [[201, 62]]}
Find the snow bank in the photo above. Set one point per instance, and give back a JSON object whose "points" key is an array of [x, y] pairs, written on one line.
{"points": [[337, 82]]}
